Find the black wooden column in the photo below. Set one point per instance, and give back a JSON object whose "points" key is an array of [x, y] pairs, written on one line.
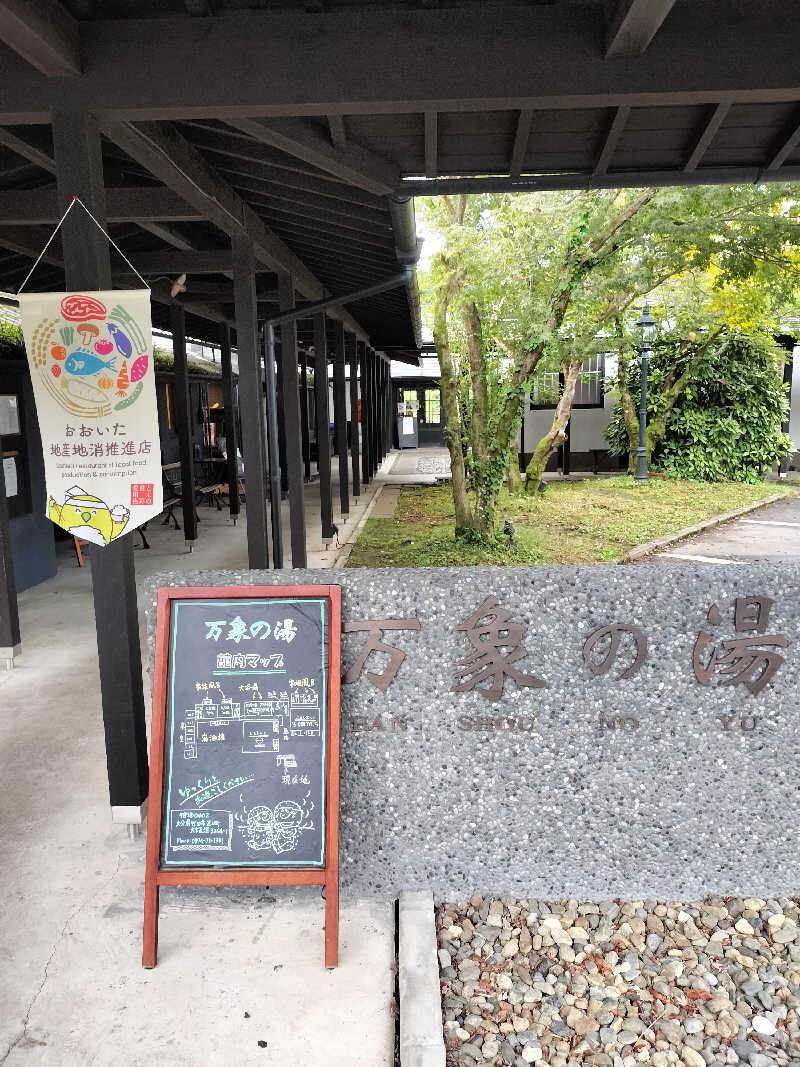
{"points": [[291, 420], [352, 363], [385, 407], [177, 321], [389, 406], [87, 266], [9, 614], [304, 414], [323, 422], [231, 435], [251, 403], [366, 463], [373, 410], [340, 415], [273, 447]]}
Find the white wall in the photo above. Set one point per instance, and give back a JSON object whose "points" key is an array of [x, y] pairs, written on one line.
{"points": [[587, 426], [794, 418]]}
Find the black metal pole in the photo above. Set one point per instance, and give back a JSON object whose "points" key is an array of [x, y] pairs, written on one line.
{"points": [[291, 421], [366, 463], [177, 319], [231, 436], [304, 413], [323, 423], [87, 266], [9, 613], [251, 403], [352, 362], [641, 452], [340, 415], [273, 448]]}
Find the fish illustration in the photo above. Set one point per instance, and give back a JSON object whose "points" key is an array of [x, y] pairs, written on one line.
{"points": [[124, 346], [81, 362]]}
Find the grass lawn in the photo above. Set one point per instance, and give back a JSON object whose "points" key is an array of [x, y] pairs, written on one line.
{"points": [[594, 521]]}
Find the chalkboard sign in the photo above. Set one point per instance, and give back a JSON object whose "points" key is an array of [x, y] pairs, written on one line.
{"points": [[244, 752]]}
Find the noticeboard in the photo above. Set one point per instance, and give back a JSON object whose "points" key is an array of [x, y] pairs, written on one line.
{"points": [[244, 763]]}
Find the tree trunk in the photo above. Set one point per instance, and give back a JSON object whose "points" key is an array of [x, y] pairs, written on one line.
{"points": [[448, 383], [485, 491], [555, 436]]}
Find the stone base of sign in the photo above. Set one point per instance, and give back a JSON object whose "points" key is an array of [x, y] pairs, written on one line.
{"points": [[8, 653], [421, 1037], [593, 786], [649, 547]]}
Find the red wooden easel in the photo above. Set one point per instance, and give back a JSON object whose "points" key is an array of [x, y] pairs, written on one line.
{"points": [[328, 875]]}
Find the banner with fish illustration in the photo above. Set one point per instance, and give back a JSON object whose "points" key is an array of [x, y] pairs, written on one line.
{"points": [[91, 363]]}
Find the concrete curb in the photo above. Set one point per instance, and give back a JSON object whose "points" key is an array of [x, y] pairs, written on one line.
{"points": [[421, 1032], [662, 542]]}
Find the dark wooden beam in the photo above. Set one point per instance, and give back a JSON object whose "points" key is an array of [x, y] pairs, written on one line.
{"points": [[615, 131], [183, 418], [337, 132], [323, 425], [356, 165], [431, 144], [42, 32], [251, 403], [366, 462], [169, 235], [521, 137], [290, 409], [351, 347], [79, 167], [305, 427], [633, 25], [340, 416], [618, 179], [210, 261], [483, 61], [706, 135], [27, 207], [198, 8], [170, 157], [229, 390], [784, 147], [26, 150]]}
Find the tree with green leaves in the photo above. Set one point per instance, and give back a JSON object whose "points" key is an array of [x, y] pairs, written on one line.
{"points": [[523, 284]]}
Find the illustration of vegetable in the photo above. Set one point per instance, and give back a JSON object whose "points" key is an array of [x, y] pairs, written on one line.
{"points": [[139, 368], [122, 379], [126, 403], [67, 334], [78, 307], [55, 370], [120, 340], [88, 331], [58, 352], [124, 318], [106, 383], [103, 347]]}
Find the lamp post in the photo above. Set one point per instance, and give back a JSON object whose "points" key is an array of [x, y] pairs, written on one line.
{"points": [[647, 324]]}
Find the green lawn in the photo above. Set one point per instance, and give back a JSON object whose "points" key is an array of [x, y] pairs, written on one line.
{"points": [[572, 522]]}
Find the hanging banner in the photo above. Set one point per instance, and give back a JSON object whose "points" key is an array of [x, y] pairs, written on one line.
{"points": [[91, 364]]}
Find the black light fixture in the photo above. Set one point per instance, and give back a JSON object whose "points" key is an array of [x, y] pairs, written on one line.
{"points": [[647, 325]]}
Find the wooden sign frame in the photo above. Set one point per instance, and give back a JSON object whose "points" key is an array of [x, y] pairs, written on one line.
{"points": [[155, 874]]}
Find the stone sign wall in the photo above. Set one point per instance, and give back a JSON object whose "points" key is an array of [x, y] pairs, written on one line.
{"points": [[590, 732]]}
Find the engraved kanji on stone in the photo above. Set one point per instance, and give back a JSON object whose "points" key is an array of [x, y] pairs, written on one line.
{"points": [[374, 629], [748, 661], [496, 644], [613, 632]]}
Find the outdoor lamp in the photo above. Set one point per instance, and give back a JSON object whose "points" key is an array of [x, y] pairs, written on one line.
{"points": [[647, 325]]}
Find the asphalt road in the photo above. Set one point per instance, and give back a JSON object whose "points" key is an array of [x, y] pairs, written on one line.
{"points": [[770, 533]]}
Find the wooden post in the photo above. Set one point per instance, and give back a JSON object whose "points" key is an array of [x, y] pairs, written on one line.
{"points": [[304, 414], [183, 414], [340, 416], [373, 411], [352, 361], [87, 266], [9, 613], [273, 448], [291, 420], [323, 422], [231, 434], [366, 463], [251, 400]]}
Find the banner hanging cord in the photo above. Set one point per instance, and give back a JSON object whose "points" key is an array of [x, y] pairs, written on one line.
{"points": [[77, 200]]}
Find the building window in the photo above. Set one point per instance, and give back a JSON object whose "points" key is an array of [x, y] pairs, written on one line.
{"points": [[589, 389], [433, 403]]}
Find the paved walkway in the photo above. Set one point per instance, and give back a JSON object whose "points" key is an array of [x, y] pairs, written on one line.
{"points": [[240, 978], [770, 533], [419, 466]]}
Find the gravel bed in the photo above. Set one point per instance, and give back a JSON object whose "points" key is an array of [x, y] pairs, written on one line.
{"points": [[620, 983]]}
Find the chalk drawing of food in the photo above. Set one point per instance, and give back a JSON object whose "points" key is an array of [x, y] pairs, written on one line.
{"points": [[276, 830], [87, 517]]}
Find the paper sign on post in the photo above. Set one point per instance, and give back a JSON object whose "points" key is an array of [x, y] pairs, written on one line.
{"points": [[91, 363]]}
